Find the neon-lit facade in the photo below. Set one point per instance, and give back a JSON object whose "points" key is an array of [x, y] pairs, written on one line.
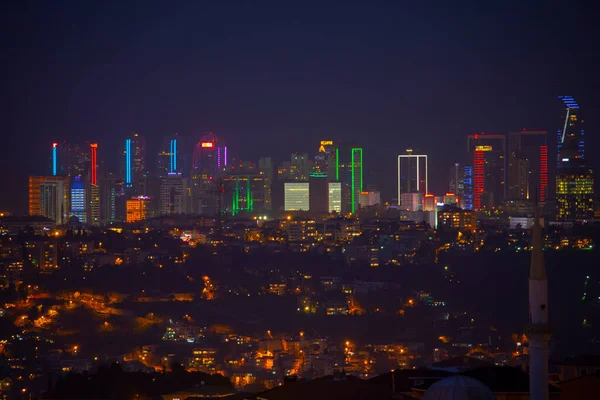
{"points": [[94, 164], [571, 128], [412, 175], [468, 187], [356, 177], [54, 158], [527, 165], [489, 170], [79, 200], [478, 178], [135, 159]]}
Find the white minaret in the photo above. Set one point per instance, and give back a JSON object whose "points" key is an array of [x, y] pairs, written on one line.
{"points": [[538, 330]]}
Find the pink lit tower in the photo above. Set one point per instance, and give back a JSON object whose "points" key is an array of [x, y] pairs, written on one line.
{"points": [[538, 330]]}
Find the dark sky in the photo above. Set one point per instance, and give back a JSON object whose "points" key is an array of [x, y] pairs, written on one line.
{"points": [[276, 77]]}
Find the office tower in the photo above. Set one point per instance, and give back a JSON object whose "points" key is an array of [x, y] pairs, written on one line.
{"points": [[35, 182], [54, 201], [169, 159], [149, 186], [571, 128], [79, 200], [112, 200], [369, 199], [350, 173], [574, 186], [325, 161], [246, 188], [174, 195], [318, 193], [538, 329], [468, 187], [297, 196], [335, 197], [412, 177], [135, 159], [93, 209], [136, 209], [265, 169], [299, 167], [93, 164], [486, 154], [527, 165], [208, 159]]}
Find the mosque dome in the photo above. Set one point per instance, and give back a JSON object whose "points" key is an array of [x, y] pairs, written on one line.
{"points": [[458, 388]]}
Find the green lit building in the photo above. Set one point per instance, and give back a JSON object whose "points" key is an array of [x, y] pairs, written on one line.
{"points": [[349, 171]]}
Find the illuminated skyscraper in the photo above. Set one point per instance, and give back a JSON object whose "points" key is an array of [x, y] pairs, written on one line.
{"points": [[412, 176], [35, 193], [486, 154], [335, 197], [136, 209], [169, 159], [208, 160], [349, 171], [527, 165], [54, 200], [571, 128], [135, 159], [297, 196], [79, 200], [70, 159], [456, 184]]}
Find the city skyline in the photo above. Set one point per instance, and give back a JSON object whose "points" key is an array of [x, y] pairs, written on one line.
{"points": [[443, 100]]}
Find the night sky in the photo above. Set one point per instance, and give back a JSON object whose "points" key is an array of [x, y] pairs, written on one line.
{"points": [[273, 78]]}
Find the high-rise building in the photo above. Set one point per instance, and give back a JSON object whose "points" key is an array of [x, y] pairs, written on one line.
{"points": [[136, 209], [149, 187], [527, 165], [335, 197], [571, 128], [299, 167], [486, 153], [325, 161], [112, 199], [297, 197], [169, 159], [54, 200], [467, 202], [208, 160], [135, 159], [350, 172], [574, 189], [93, 209], [411, 201], [412, 176], [265, 169], [35, 182], [574, 177], [174, 195], [319, 193], [79, 200]]}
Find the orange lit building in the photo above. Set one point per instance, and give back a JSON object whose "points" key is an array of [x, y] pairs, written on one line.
{"points": [[452, 217], [136, 208], [35, 182]]}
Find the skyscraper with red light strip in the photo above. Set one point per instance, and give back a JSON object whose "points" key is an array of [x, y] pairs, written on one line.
{"points": [[528, 165], [94, 164], [486, 153]]}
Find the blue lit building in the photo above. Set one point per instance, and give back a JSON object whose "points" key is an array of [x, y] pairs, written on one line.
{"points": [[468, 187], [571, 128], [79, 200]]}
